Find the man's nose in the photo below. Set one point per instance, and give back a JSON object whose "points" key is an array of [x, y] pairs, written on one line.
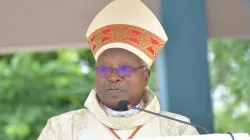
{"points": [[114, 76]]}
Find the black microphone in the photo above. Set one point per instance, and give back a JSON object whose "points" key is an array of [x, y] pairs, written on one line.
{"points": [[125, 105]]}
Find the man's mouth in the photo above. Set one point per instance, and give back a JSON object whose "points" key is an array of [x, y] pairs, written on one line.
{"points": [[114, 90]]}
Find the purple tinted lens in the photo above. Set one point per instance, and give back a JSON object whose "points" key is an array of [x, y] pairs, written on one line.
{"points": [[125, 71], [103, 71]]}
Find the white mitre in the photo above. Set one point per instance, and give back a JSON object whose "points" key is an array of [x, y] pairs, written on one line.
{"points": [[130, 25]]}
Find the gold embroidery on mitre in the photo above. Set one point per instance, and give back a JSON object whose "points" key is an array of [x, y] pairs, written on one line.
{"points": [[144, 40]]}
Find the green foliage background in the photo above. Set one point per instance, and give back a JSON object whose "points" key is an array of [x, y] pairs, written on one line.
{"points": [[230, 70], [37, 86]]}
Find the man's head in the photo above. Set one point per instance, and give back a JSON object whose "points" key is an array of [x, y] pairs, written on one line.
{"points": [[119, 37], [127, 80]]}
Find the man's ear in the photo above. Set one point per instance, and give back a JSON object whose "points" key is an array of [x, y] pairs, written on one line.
{"points": [[147, 76]]}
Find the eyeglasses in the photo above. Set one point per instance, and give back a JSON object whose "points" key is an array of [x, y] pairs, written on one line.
{"points": [[123, 71]]}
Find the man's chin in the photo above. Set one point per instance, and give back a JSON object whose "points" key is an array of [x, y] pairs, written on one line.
{"points": [[113, 104]]}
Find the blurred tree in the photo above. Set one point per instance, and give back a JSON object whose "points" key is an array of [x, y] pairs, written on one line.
{"points": [[230, 77], [37, 86]]}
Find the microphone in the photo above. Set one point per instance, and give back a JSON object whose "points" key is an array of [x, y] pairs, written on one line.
{"points": [[124, 105]]}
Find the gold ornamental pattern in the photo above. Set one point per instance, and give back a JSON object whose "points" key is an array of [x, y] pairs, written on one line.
{"points": [[144, 40]]}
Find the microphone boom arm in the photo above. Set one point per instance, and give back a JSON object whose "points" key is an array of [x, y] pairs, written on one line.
{"points": [[158, 114]]}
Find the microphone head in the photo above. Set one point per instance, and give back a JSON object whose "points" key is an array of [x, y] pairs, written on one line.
{"points": [[123, 105]]}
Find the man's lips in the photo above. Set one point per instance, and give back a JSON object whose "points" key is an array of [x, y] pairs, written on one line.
{"points": [[114, 90]]}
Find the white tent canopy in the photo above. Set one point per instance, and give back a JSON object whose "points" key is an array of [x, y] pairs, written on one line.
{"points": [[35, 25]]}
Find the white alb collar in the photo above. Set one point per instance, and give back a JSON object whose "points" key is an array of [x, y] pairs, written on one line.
{"points": [[112, 113]]}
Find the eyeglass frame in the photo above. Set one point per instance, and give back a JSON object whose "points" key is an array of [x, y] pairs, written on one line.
{"points": [[116, 69]]}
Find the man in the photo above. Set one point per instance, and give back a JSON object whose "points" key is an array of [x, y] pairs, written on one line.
{"points": [[125, 38]]}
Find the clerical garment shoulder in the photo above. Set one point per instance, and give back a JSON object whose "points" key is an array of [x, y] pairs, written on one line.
{"points": [[92, 122], [80, 124]]}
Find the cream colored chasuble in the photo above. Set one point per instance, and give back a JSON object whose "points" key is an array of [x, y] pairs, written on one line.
{"points": [[94, 123]]}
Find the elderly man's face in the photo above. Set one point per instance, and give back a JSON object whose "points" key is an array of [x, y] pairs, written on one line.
{"points": [[111, 88]]}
